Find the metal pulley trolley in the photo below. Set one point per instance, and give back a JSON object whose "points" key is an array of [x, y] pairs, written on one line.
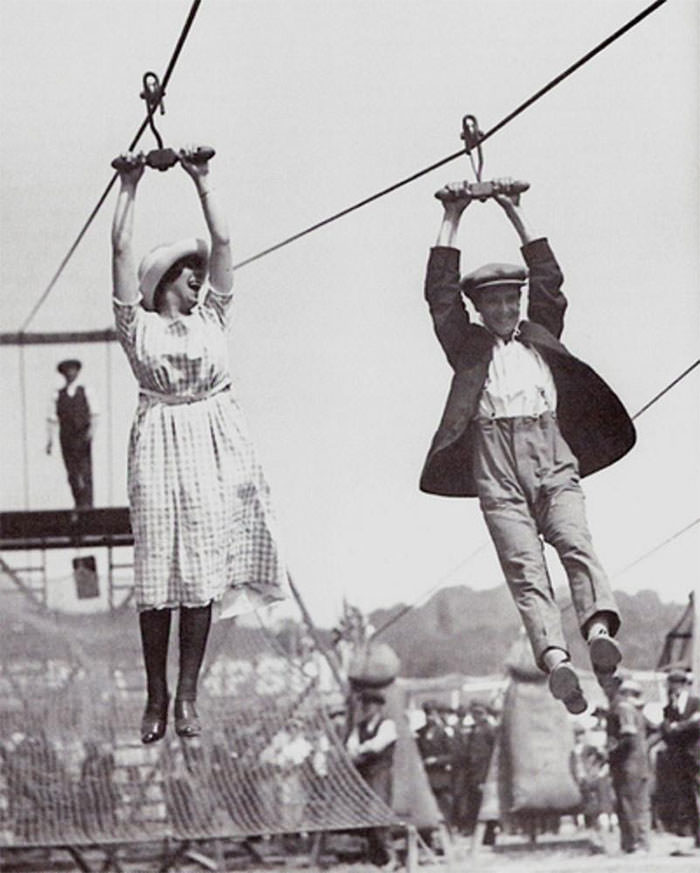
{"points": [[161, 158], [471, 136]]}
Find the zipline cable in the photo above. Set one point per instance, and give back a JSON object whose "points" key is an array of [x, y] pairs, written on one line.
{"points": [[569, 604], [666, 389], [583, 60], [469, 558], [406, 609], [508, 118], [656, 548], [169, 70]]}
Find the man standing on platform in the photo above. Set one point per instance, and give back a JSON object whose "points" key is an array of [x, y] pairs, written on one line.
{"points": [[75, 413]]}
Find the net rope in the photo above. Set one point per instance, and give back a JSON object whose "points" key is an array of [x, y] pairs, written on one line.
{"points": [[73, 769]]}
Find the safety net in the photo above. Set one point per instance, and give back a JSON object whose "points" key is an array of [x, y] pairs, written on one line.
{"points": [[74, 771]]}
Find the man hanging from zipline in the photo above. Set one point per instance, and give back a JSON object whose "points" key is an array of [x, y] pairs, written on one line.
{"points": [[524, 420]]}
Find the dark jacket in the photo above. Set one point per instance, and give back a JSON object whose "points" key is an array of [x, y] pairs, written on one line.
{"points": [[376, 767], [591, 418], [73, 414], [627, 742], [681, 733], [434, 746]]}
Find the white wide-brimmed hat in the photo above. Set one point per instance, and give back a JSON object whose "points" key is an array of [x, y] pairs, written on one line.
{"points": [[160, 259]]}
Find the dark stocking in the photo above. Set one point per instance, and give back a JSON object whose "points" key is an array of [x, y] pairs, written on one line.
{"points": [[195, 622], [155, 632]]}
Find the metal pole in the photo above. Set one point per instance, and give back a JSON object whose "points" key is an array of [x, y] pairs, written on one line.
{"points": [[110, 440], [25, 436], [332, 663], [695, 638]]}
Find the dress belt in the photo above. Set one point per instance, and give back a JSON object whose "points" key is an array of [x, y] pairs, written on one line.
{"points": [[177, 399]]}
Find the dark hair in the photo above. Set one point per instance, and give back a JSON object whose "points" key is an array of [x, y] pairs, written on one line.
{"points": [[194, 262]]}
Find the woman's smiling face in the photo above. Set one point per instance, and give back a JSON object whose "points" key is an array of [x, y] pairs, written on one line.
{"points": [[189, 283]]}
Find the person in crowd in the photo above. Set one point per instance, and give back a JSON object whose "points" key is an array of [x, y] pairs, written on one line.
{"points": [[524, 421], [459, 745], [598, 738], [681, 733], [479, 750], [629, 766], [200, 504], [288, 751], [99, 796], [434, 741], [588, 765], [370, 744], [338, 716], [73, 411]]}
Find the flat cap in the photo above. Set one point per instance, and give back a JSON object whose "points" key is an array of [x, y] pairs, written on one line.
{"points": [[678, 675], [630, 686], [492, 275], [68, 364]]}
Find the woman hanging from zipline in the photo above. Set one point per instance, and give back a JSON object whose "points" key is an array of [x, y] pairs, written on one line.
{"points": [[200, 506]]}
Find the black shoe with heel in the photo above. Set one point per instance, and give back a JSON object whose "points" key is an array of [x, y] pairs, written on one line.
{"points": [[187, 722], [154, 721]]}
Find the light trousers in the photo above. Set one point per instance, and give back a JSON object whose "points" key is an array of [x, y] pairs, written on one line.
{"points": [[529, 492]]}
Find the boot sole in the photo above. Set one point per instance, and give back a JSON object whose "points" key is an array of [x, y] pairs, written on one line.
{"points": [[564, 686], [604, 653]]}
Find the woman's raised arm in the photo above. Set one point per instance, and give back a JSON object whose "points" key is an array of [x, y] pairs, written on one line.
{"points": [[125, 284], [220, 260]]}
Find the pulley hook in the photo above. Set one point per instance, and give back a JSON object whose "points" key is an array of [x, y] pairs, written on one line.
{"points": [[471, 136], [160, 158]]}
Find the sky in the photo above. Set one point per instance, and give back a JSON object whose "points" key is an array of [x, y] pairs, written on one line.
{"points": [[311, 107]]}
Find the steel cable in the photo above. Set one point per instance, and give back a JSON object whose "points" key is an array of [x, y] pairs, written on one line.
{"points": [[508, 118], [406, 609], [166, 78], [661, 393], [367, 200]]}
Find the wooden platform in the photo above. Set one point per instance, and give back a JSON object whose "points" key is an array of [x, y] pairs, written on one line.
{"points": [[65, 528]]}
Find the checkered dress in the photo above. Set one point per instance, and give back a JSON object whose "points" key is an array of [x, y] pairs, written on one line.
{"points": [[200, 506]]}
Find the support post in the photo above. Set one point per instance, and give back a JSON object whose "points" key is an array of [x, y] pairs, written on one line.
{"points": [[25, 589], [695, 639], [317, 846], [477, 839], [411, 849], [332, 663], [77, 856]]}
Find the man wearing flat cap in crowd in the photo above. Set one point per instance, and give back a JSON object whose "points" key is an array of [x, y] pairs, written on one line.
{"points": [[371, 744], [523, 422], [74, 411], [628, 756], [681, 733]]}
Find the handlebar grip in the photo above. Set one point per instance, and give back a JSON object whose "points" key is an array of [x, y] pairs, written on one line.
{"points": [[202, 154], [483, 190], [121, 163]]}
